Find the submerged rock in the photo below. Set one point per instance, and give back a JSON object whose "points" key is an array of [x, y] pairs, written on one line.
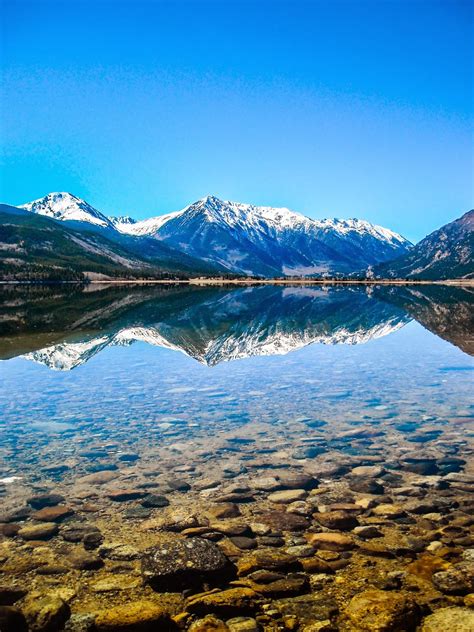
{"points": [[135, 616], [46, 613], [380, 611], [453, 619], [180, 563]]}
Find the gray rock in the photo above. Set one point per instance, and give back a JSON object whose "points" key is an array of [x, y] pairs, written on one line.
{"points": [[182, 563]]}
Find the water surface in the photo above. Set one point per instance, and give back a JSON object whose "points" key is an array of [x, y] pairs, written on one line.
{"points": [[220, 388]]}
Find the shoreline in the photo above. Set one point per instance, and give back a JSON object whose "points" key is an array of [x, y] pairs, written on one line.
{"points": [[221, 282]]}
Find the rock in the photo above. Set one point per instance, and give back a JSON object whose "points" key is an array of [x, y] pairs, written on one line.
{"points": [[315, 565], [114, 583], [123, 495], [244, 543], [388, 510], [12, 620], [283, 521], [367, 471], [85, 561], [224, 510], [267, 560], [175, 520], [226, 603], [46, 613], [453, 582], [367, 532], [287, 496], [43, 531], [155, 500], [182, 563], [453, 619], [307, 609], [297, 481], [292, 584], [337, 520], [10, 594], [208, 624], [424, 466], [45, 500], [242, 624], [331, 541], [52, 514], [380, 611], [365, 486], [135, 616]]}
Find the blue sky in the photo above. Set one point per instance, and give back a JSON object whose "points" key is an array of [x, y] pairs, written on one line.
{"points": [[331, 108]]}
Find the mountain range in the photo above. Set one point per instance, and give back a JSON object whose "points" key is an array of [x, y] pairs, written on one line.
{"points": [[65, 236]]}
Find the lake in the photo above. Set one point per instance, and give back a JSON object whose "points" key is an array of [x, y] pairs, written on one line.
{"points": [[264, 453]]}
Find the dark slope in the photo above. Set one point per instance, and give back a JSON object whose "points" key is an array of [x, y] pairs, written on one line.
{"points": [[448, 253]]}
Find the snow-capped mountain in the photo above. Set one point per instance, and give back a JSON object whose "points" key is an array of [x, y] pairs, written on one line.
{"points": [[246, 239], [268, 241], [67, 207]]}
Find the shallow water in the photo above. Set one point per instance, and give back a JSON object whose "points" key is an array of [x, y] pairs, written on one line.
{"points": [[222, 388]]}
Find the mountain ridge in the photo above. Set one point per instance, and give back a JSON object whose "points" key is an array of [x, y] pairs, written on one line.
{"points": [[243, 238]]}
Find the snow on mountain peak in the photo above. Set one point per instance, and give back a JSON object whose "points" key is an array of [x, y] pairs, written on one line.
{"points": [[67, 207]]}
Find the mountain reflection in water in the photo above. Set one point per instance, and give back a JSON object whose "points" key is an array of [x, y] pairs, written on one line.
{"points": [[64, 328]]}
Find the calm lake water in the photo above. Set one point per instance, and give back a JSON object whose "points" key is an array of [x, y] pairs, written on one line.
{"points": [[215, 397]]}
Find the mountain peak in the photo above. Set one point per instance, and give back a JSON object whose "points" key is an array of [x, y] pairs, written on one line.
{"points": [[65, 206]]}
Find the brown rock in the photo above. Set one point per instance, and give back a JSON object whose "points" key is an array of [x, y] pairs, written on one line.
{"points": [[382, 611], [331, 541], [43, 531], [135, 616], [53, 514]]}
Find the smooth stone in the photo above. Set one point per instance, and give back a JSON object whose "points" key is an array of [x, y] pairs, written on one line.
{"points": [[242, 624], [369, 471], [297, 481], [135, 616], [365, 486], [388, 511], [184, 562], [224, 510], [283, 521], [243, 542], [331, 541], [45, 500], [155, 501], [367, 532], [124, 495], [267, 560], [43, 531], [228, 603], [85, 561], [381, 611], [454, 619], [337, 520], [52, 514], [287, 496]]}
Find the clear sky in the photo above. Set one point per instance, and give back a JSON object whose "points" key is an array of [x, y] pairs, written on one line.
{"points": [[331, 108]]}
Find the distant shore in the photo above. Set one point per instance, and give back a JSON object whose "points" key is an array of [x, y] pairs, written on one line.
{"points": [[220, 282]]}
